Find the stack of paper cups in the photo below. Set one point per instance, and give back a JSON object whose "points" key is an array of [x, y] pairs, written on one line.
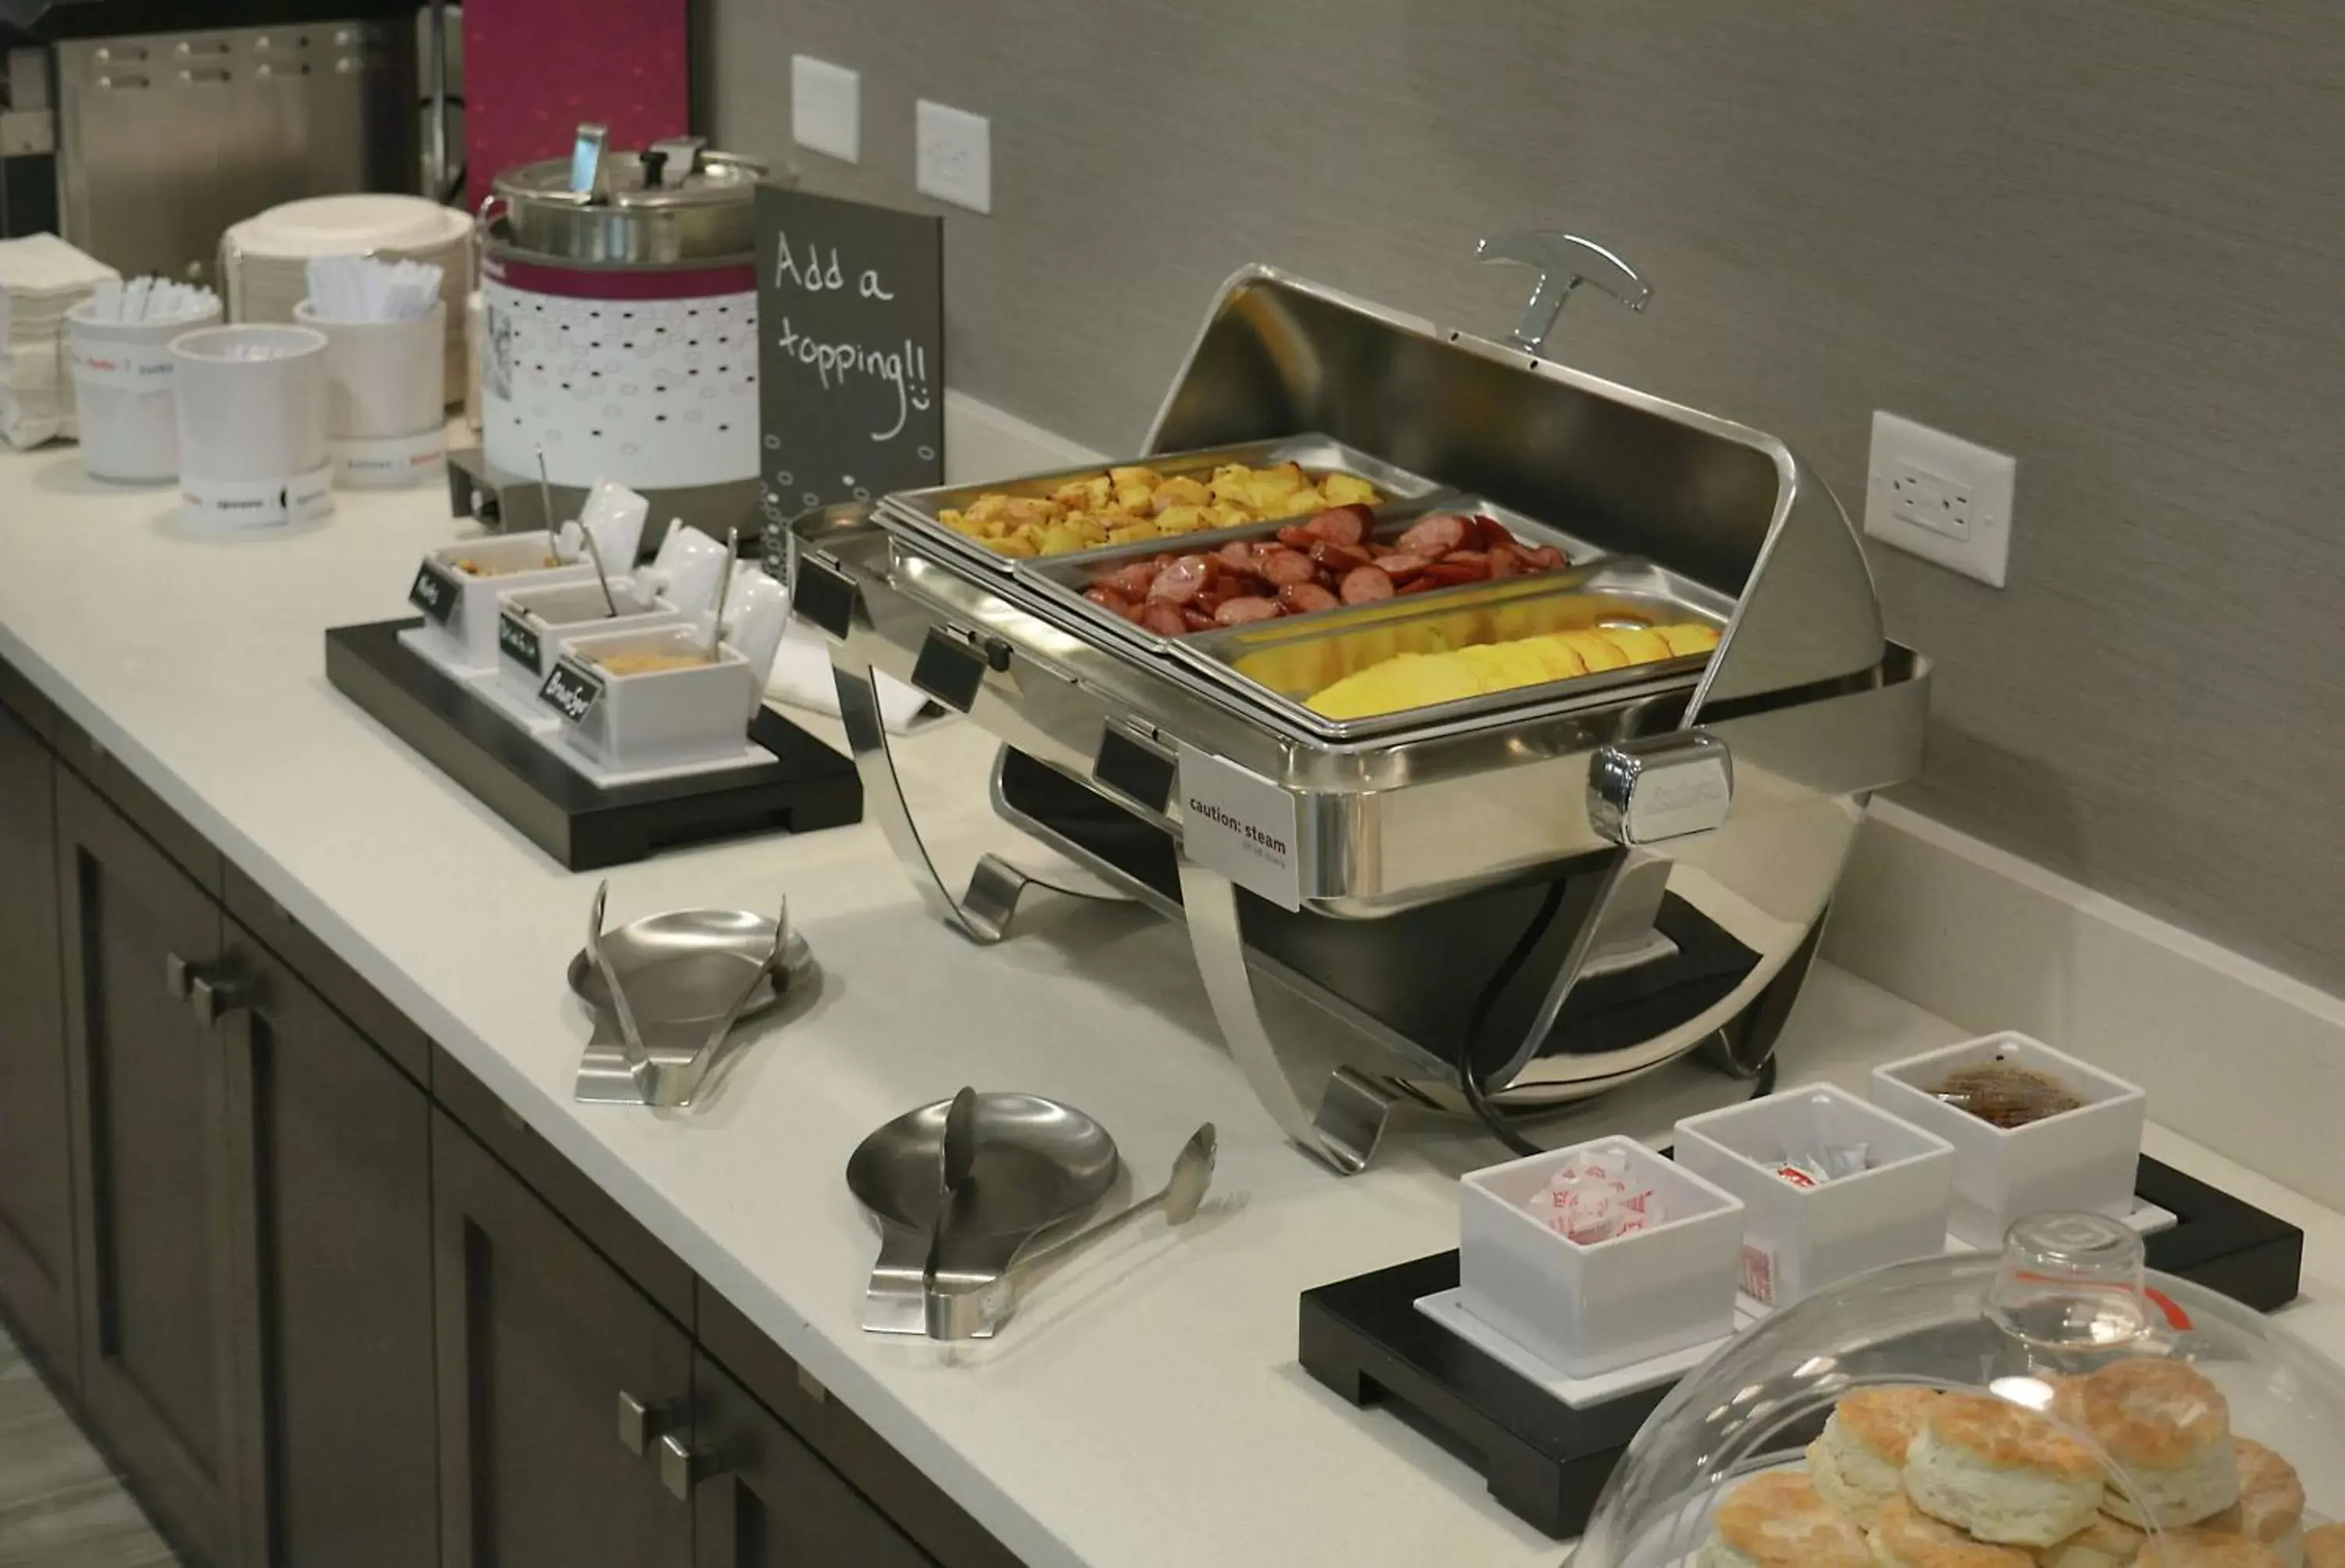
{"points": [[123, 376], [252, 425], [387, 398]]}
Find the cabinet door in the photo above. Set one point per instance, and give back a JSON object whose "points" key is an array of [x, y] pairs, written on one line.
{"points": [[760, 1498], [36, 1256], [148, 1086], [540, 1342], [330, 1149]]}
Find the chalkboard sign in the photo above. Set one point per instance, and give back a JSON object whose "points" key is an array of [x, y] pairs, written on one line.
{"points": [[518, 642], [435, 591], [570, 691], [850, 350]]}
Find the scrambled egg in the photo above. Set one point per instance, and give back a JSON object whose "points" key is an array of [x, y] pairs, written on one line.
{"points": [[1125, 505], [1407, 680]]}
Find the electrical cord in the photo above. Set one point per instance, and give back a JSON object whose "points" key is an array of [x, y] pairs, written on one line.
{"points": [[1477, 1019]]}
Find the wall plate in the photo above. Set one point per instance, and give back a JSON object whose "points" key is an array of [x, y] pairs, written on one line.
{"points": [[955, 156], [827, 108], [1940, 497]]}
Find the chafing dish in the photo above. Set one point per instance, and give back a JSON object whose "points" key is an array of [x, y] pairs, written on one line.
{"points": [[1556, 888]]}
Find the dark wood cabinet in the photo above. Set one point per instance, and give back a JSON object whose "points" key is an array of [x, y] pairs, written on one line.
{"points": [[330, 1161], [155, 1271], [36, 1251], [761, 1498], [542, 1344]]}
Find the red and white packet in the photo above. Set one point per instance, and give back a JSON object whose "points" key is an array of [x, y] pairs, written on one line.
{"points": [[1596, 1196]]}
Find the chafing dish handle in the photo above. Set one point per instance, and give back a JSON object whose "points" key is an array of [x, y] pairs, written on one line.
{"points": [[1564, 262], [1657, 788]]}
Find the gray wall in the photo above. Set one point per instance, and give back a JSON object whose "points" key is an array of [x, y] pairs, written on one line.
{"points": [[2108, 236]]}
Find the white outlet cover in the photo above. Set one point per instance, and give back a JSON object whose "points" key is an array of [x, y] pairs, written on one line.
{"points": [[827, 108], [956, 156], [1900, 446]]}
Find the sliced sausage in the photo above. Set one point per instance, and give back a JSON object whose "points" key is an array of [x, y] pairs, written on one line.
{"points": [[1400, 565], [1131, 581], [1342, 525], [1450, 572], [1108, 599], [1238, 557], [1181, 581], [1295, 536], [1302, 598], [1284, 566], [1547, 558], [1339, 559], [1504, 563], [1366, 585], [1435, 535], [1477, 559], [1244, 608], [1420, 584], [1493, 532], [1165, 620], [1196, 619]]}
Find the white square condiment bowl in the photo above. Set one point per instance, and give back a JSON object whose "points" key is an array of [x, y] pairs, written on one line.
{"points": [[2079, 1159], [1798, 1239], [650, 719], [536, 626], [1589, 1307], [483, 571]]}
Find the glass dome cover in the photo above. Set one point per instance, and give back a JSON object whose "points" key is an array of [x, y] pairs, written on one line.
{"points": [[2057, 1330]]}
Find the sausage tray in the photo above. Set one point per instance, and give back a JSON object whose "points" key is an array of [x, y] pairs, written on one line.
{"points": [[918, 512]]}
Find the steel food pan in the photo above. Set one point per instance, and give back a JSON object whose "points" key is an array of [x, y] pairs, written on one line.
{"points": [[1280, 664], [916, 511], [1062, 580]]}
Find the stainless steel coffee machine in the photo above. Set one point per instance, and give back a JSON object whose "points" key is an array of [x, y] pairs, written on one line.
{"points": [[140, 129]]}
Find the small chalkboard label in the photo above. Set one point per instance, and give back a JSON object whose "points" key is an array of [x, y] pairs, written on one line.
{"points": [[570, 691], [850, 354], [435, 592], [518, 643]]}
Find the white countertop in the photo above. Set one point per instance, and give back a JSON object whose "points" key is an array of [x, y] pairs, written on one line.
{"points": [[1145, 1409]]}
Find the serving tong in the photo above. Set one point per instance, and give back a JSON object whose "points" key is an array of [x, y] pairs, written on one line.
{"points": [[657, 1079], [1051, 1163]]}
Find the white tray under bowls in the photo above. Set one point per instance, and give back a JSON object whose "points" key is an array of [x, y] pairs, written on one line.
{"points": [[470, 578]]}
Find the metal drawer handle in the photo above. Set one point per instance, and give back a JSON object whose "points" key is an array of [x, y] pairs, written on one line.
{"points": [[215, 991], [179, 976], [642, 1424], [682, 1467]]}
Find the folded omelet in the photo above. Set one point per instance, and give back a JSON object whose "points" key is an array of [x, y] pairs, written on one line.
{"points": [[1409, 680]]}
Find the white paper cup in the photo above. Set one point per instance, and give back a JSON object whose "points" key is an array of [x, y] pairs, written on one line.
{"points": [[386, 398], [123, 376], [252, 429]]}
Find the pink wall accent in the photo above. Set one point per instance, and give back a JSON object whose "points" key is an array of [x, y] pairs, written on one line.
{"points": [[534, 69]]}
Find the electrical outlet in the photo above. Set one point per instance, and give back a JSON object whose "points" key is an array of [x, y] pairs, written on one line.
{"points": [[956, 156], [827, 108], [1940, 497]]}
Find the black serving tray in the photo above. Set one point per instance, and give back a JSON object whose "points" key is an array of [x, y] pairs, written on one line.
{"points": [[805, 786], [1546, 1461]]}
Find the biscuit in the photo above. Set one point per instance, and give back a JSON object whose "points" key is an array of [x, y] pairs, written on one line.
{"points": [[2003, 1473], [2325, 1547], [1859, 1460], [1779, 1521], [2106, 1542], [2270, 1510], [1902, 1536], [2168, 1433], [2187, 1548]]}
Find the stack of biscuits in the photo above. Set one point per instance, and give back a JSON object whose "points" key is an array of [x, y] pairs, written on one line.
{"points": [[1916, 1478]]}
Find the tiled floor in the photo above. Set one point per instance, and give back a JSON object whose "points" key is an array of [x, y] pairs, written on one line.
{"points": [[60, 1506]]}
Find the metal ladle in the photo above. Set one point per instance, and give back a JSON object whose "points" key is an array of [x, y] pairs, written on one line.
{"points": [[978, 1313]]}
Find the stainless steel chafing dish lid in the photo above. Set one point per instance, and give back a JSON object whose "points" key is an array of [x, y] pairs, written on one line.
{"points": [[1727, 506]]}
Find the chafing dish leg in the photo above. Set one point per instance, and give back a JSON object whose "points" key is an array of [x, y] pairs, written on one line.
{"points": [[983, 913], [1349, 1121]]}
